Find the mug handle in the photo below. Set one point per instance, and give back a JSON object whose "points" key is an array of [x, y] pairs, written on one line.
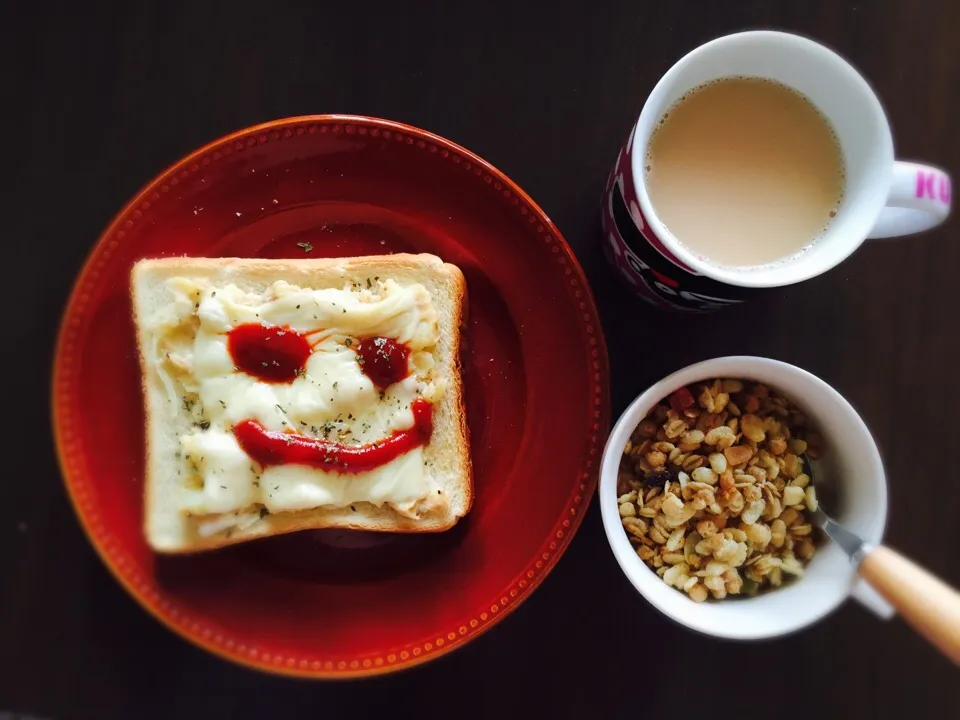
{"points": [[919, 200]]}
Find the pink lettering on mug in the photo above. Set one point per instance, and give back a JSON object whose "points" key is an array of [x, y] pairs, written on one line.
{"points": [[933, 186], [944, 189]]}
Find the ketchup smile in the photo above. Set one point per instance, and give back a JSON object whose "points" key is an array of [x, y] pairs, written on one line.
{"points": [[269, 353], [383, 360], [269, 448]]}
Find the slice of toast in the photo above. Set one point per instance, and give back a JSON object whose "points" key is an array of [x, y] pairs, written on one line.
{"points": [[177, 315]]}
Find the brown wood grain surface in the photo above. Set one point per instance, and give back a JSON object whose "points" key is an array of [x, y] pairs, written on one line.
{"points": [[96, 98]]}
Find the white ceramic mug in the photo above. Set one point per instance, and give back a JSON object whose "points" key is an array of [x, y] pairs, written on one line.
{"points": [[850, 466], [883, 197]]}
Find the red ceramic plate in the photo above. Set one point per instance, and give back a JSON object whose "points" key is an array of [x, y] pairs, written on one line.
{"points": [[329, 604]]}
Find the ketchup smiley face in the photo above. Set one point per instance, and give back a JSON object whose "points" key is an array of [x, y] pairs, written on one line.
{"points": [[275, 354]]}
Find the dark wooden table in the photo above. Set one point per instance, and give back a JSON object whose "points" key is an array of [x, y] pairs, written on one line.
{"points": [[101, 97]]}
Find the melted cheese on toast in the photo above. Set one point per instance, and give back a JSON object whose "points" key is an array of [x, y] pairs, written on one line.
{"points": [[332, 399]]}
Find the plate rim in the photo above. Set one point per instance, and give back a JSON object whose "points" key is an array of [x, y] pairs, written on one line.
{"points": [[415, 653]]}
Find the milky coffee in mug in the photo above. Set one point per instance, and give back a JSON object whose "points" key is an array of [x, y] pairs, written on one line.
{"points": [[763, 187], [744, 171]]}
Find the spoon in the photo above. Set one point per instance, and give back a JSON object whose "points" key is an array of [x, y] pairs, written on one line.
{"points": [[926, 603]]}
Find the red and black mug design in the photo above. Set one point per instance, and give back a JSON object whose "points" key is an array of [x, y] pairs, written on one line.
{"points": [[642, 260]]}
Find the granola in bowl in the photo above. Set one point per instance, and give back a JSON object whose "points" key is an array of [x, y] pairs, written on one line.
{"points": [[713, 492]]}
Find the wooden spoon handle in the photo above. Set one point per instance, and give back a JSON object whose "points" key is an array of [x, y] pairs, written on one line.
{"points": [[926, 603]]}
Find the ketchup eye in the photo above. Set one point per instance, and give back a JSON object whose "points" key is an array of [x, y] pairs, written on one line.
{"points": [[383, 360], [269, 353]]}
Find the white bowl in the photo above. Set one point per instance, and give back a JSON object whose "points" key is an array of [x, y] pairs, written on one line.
{"points": [[851, 466]]}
